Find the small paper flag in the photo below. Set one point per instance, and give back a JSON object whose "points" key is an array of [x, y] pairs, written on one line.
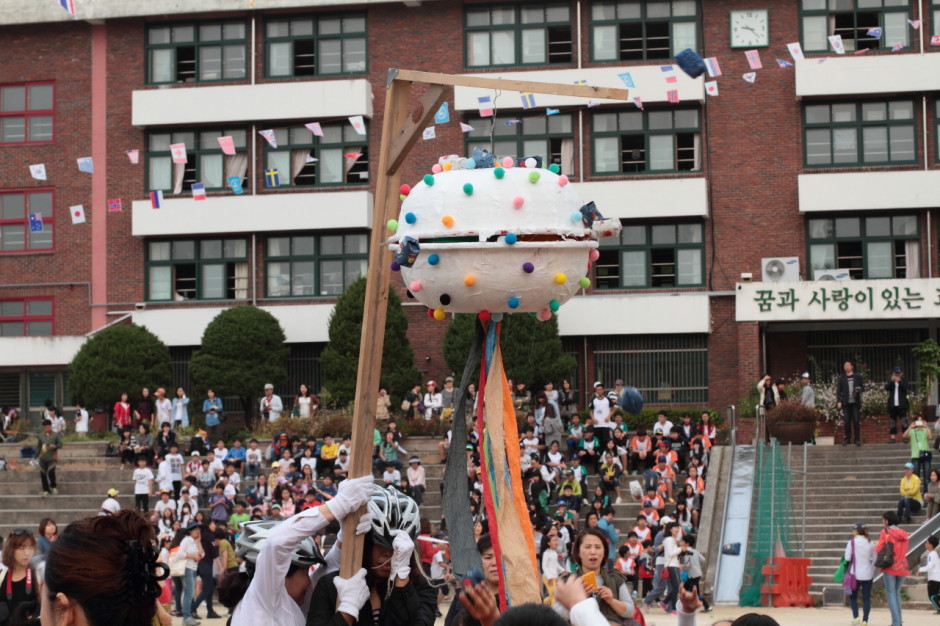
{"points": [[750, 77], [199, 191], [178, 152], [35, 222], [133, 155], [442, 116], [528, 99], [485, 104], [429, 133], [269, 137], [874, 32], [114, 205], [915, 24], [227, 144], [156, 199], [272, 178], [235, 183], [580, 82], [78, 214], [711, 87], [38, 171], [552, 111], [862, 51], [753, 60], [314, 127], [796, 50], [836, 42], [85, 164], [68, 5], [638, 102], [673, 96], [711, 64], [784, 63], [627, 79], [591, 104], [897, 47], [669, 73], [358, 124], [935, 40], [465, 128], [512, 122], [355, 155]]}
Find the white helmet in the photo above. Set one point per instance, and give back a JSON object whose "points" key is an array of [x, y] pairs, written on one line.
{"points": [[254, 534], [392, 510]]}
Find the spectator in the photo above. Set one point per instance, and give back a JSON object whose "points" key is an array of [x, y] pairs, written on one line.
{"points": [[590, 552], [391, 476], [575, 433], [919, 437], [808, 395], [606, 524], [143, 485], [47, 451], [382, 404], [609, 472], [768, 393], [708, 429], [590, 448], [692, 562], [194, 464], [271, 405], [163, 407], [893, 575], [220, 505], [910, 501], [641, 452], [126, 445], [48, 532], [212, 408], [898, 403], [663, 425], [122, 412], [568, 400], [192, 551], [600, 407], [253, 459], [417, 479], [328, 453], [932, 570], [849, 400], [165, 439], [305, 403], [412, 405], [932, 497], [143, 409], [110, 504], [521, 397], [341, 468], [860, 553], [433, 401], [448, 398]]}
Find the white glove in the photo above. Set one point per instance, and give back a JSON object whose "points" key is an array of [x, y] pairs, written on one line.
{"points": [[403, 548], [351, 593], [364, 526], [352, 494]]}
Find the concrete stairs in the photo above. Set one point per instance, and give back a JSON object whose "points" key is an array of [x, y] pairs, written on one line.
{"points": [[845, 485]]}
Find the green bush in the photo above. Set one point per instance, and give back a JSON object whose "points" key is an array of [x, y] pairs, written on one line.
{"points": [[648, 415]]}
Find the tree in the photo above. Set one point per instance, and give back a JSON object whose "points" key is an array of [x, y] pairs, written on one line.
{"points": [[340, 358], [532, 351], [242, 350], [123, 358]]}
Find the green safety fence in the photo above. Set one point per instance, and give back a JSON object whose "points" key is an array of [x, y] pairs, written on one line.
{"points": [[770, 523]]}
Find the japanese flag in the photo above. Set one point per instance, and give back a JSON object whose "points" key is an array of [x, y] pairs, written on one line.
{"points": [[78, 214], [711, 87], [358, 124]]}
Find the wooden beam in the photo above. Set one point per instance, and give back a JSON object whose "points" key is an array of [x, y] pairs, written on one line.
{"points": [[373, 319], [405, 140], [507, 84]]}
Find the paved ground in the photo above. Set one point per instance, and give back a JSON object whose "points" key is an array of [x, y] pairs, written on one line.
{"points": [[786, 617]]}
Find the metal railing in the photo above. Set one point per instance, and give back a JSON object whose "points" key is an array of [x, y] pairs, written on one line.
{"points": [[732, 413]]}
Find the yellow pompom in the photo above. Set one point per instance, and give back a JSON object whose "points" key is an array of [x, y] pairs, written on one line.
{"points": [[469, 280], [447, 221], [448, 166], [560, 278], [438, 314]]}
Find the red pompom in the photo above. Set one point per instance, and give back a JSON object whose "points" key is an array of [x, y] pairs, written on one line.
{"points": [[484, 316], [404, 189]]}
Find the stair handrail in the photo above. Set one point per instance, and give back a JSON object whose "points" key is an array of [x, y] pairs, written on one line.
{"points": [[732, 412], [917, 539]]}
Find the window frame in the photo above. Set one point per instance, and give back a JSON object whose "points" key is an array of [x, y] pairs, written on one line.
{"points": [[881, 43], [644, 20], [25, 220], [517, 27], [192, 157], [27, 113], [859, 125], [936, 117], [196, 44], [26, 318], [317, 258], [647, 247], [863, 238], [647, 132], [316, 38], [316, 145], [518, 135], [198, 262]]}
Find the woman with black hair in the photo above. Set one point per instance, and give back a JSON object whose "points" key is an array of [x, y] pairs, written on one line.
{"points": [[590, 552]]}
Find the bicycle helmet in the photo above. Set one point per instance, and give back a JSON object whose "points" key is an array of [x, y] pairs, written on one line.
{"points": [[254, 534], [392, 510]]}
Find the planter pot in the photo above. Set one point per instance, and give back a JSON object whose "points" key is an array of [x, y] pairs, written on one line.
{"points": [[792, 432]]}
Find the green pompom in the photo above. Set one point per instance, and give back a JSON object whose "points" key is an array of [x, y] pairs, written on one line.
{"points": [[554, 168], [534, 177], [499, 172]]}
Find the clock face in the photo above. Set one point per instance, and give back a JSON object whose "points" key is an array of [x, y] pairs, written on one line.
{"points": [[750, 29]]}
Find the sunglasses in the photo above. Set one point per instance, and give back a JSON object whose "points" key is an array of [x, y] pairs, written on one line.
{"points": [[21, 531]]}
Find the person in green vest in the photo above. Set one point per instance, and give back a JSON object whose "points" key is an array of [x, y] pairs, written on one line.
{"points": [[919, 436], [47, 451]]}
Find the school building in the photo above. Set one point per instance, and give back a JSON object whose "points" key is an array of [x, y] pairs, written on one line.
{"points": [[778, 218]]}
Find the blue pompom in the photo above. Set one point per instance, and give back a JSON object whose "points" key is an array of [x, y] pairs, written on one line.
{"points": [[411, 218], [511, 238], [513, 302], [632, 400], [433, 259]]}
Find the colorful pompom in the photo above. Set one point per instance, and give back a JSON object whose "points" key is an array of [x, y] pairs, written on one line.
{"points": [[584, 282], [392, 225], [433, 259], [447, 221], [554, 168], [511, 238], [428, 180], [411, 218], [469, 280], [534, 177], [562, 180], [439, 314], [560, 278], [404, 189], [468, 189], [513, 302], [518, 201], [528, 268], [499, 172]]}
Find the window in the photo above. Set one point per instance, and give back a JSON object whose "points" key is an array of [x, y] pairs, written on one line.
{"points": [[652, 256], [26, 113], [852, 19], [15, 232], [26, 318], [312, 46], [634, 30], [205, 161], [549, 137], [936, 16], [665, 368], [857, 133], [869, 247], [191, 53], [936, 119], [314, 265], [529, 34], [339, 157], [200, 269], [646, 141]]}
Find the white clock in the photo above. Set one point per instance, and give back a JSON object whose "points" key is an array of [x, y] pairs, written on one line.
{"points": [[750, 28]]}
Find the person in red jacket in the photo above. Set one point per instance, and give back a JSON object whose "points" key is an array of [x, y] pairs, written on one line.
{"points": [[893, 574]]}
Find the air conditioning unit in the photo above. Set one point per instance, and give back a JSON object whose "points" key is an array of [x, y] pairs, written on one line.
{"points": [[783, 269], [831, 275]]}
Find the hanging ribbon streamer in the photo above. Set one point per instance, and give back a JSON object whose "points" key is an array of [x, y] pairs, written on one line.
{"points": [[503, 493]]}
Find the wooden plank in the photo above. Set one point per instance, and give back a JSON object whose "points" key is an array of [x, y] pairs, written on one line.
{"points": [[374, 314], [507, 84], [405, 140]]}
